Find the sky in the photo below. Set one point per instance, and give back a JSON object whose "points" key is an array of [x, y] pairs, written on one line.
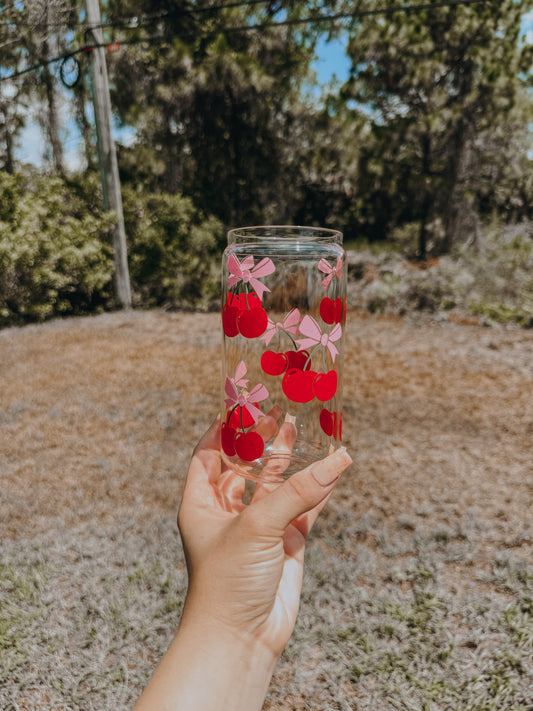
{"points": [[331, 63]]}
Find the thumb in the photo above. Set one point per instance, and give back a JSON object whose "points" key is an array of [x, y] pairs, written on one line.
{"points": [[300, 493]]}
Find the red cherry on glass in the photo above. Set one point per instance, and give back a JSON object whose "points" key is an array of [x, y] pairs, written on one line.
{"points": [[249, 446], [298, 385], [240, 418], [249, 301], [229, 320], [298, 360], [338, 427], [327, 422], [273, 363], [328, 310], [339, 310], [227, 439], [252, 323], [325, 385]]}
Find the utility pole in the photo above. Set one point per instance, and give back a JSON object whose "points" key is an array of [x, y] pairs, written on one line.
{"points": [[107, 156]]}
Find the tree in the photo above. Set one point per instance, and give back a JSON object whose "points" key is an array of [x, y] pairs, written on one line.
{"points": [[214, 108], [35, 33], [430, 82], [13, 98]]}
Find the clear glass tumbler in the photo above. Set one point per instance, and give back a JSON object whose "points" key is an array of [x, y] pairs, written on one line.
{"points": [[283, 317]]}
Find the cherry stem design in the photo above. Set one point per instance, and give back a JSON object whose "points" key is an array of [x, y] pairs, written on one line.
{"points": [[282, 330], [231, 415], [312, 354]]}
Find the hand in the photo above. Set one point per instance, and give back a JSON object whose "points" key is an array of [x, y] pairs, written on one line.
{"points": [[245, 574], [245, 563]]}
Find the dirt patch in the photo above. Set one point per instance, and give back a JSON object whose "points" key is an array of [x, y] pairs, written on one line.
{"points": [[102, 413], [99, 416]]}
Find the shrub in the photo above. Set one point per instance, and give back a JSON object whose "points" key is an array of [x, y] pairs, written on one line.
{"points": [[494, 281], [54, 254], [174, 251]]}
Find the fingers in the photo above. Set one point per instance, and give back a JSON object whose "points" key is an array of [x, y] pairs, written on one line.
{"points": [[301, 493], [205, 467]]}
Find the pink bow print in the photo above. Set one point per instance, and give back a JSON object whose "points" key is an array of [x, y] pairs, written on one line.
{"points": [[331, 272], [239, 381], [289, 324], [244, 398], [246, 272], [310, 328]]}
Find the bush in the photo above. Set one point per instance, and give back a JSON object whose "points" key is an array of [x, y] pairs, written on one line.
{"points": [[54, 253], [56, 256], [494, 281], [174, 251]]}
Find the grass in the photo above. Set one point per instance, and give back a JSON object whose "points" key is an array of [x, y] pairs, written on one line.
{"points": [[401, 638], [418, 586], [120, 601], [406, 640]]}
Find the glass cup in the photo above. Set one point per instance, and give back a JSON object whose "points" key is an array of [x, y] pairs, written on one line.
{"points": [[283, 316]]}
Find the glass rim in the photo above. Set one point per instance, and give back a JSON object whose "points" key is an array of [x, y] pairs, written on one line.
{"points": [[294, 233]]}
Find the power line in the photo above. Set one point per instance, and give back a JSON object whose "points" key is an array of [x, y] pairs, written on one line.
{"points": [[139, 21], [289, 22]]}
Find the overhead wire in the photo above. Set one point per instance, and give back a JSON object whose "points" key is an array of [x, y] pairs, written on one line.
{"points": [[289, 22]]}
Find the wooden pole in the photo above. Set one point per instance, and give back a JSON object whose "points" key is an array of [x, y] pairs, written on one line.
{"points": [[107, 155]]}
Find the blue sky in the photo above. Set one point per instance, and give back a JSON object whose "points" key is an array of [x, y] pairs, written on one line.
{"points": [[331, 62]]}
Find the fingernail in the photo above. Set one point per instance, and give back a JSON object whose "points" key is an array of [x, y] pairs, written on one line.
{"points": [[329, 469], [290, 419]]}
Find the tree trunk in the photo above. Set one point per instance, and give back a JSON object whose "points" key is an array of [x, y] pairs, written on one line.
{"points": [[454, 207], [84, 125], [9, 163], [53, 123]]}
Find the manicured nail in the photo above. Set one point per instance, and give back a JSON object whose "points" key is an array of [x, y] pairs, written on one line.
{"points": [[329, 469], [290, 418]]}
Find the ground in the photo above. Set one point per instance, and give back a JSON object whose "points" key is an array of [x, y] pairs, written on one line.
{"points": [[418, 587]]}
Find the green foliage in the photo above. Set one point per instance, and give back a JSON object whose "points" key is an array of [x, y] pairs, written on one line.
{"points": [[21, 610], [174, 251], [54, 253], [493, 280], [439, 88]]}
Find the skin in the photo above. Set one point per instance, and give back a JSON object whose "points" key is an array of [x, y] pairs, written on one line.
{"points": [[245, 565]]}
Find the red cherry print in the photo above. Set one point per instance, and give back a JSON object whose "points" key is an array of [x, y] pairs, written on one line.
{"points": [[298, 385], [252, 323], [249, 446], [298, 360], [327, 422], [240, 418], [338, 426], [227, 439], [273, 363], [249, 301], [325, 385], [328, 310], [229, 320], [339, 310]]}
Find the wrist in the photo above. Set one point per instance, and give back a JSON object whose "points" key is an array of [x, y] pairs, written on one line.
{"points": [[210, 667]]}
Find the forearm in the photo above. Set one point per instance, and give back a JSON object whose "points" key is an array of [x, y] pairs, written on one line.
{"points": [[209, 670]]}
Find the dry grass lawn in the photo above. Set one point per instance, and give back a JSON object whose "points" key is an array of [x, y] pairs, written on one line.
{"points": [[418, 591]]}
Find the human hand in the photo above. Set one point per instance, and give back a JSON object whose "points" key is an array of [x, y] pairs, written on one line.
{"points": [[245, 563]]}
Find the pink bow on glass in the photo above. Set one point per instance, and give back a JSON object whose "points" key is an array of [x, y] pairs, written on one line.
{"points": [[289, 324], [331, 272], [310, 328], [246, 272], [239, 381], [244, 398]]}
